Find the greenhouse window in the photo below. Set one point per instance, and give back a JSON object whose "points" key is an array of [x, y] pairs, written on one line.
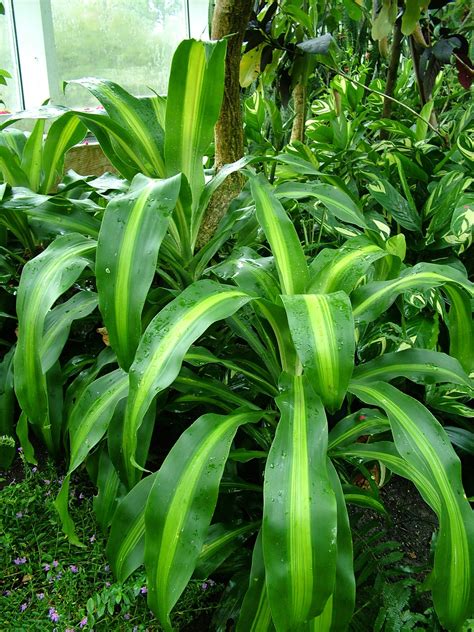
{"points": [[46, 42]]}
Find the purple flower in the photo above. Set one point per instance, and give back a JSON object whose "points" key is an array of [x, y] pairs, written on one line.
{"points": [[19, 514], [23, 607], [53, 615], [69, 630], [73, 568], [47, 567], [20, 449], [83, 622], [81, 496], [143, 590], [40, 595], [34, 470], [59, 575], [204, 586], [55, 563], [46, 481], [126, 616], [19, 560], [107, 584], [106, 568], [7, 593], [92, 538]]}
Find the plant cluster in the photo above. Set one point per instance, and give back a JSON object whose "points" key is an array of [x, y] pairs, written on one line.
{"points": [[248, 390]]}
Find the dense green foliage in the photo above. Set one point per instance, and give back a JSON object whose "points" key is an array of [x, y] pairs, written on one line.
{"points": [[248, 385]]}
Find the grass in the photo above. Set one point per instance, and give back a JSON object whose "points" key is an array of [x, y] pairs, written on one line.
{"points": [[48, 584]]}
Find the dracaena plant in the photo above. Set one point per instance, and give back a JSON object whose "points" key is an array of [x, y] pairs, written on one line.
{"points": [[295, 325], [304, 326]]}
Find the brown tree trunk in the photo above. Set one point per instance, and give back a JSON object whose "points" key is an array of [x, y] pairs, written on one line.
{"points": [[392, 72], [230, 17], [299, 104]]}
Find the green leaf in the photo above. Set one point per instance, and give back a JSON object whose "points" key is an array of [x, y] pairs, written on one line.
{"points": [[58, 324], [126, 543], [335, 200], [423, 443], [395, 204], [195, 92], [44, 279], [221, 542], [7, 407], [343, 269], [422, 123], [255, 614], [32, 158], [282, 237], [300, 514], [461, 327], [373, 299], [164, 345], [366, 421], [133, 126], [419, 365], [127, 251], [322, 329], [64, 133], [181, 504], [411, 15], [109, 490]]}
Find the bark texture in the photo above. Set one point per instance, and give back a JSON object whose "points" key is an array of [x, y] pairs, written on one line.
{"points": [[299, 104], [392, 72], [230, 17]]}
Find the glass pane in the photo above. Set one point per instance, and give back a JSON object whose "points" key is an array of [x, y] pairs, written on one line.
{"points": [[131, 43], [8, 94], [199, 18]]}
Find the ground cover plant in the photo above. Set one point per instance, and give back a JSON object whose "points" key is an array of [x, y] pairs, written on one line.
{"points": [[248, 390]]}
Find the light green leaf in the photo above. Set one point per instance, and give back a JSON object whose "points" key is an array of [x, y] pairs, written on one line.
{"points": [[423, 443], [181, 504], [164, 345], [300, 514], [282, 237], [127, 251], [322, 329]]}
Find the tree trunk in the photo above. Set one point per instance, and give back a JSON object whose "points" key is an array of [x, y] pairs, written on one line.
{"points": [[299, 104], [230, 17], [392, 72]]}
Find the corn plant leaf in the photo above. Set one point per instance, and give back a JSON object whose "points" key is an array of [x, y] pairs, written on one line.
{"points": [[32, 157], [423, 443], [181, 504], [254, 274], [126, 543], [42, 282], [282, 237], [366, 421], [7, 407], [58, 324], [420, 365], [56, 215], [386, 452], [322, 329], [195, 92], [221, 542], [10, 168], [164, 345], [255, 614], [138, 119], [461, 327], [127, 251], [335, 200], [64, 133], [109, 491], [343, 600], [371, 300], [341, 270], [300, 514]]}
